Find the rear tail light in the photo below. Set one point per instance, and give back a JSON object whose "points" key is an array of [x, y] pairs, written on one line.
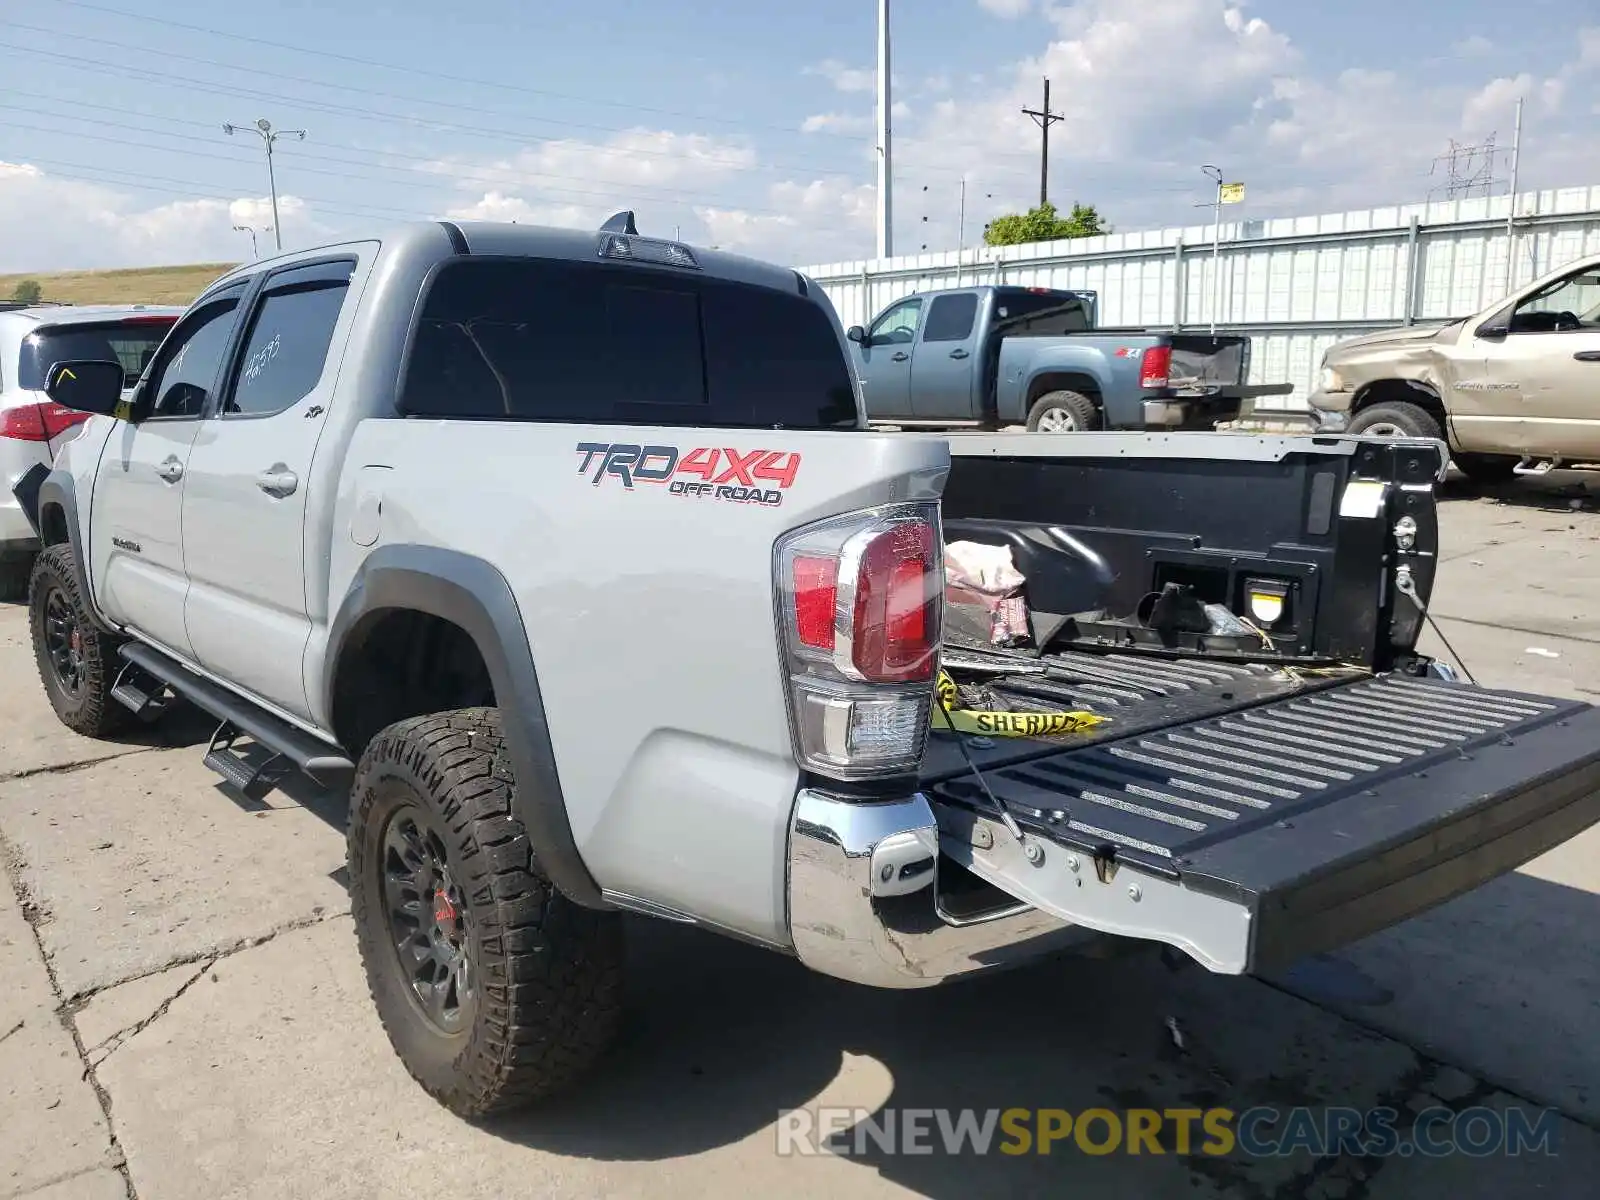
{"points": [[860, 607], [40, 422], [1155, 367]]}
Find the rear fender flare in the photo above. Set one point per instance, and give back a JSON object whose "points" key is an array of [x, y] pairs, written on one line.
{"points": [[472, 594]]}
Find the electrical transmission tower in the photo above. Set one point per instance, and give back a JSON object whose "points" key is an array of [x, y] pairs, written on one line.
{"points": [[1467, 170]]}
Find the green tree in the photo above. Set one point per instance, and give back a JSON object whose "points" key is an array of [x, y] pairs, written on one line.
{"points": [[1043, 224], [28, 292]]}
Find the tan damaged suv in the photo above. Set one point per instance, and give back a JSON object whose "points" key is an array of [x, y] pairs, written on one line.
{"points": [[1514, 389]]}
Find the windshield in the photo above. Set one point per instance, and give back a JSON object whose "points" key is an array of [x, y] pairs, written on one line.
{"points": [[132, 343]]}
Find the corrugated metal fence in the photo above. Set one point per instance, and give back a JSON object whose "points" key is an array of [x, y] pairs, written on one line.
{"points": [[1295, 284]]}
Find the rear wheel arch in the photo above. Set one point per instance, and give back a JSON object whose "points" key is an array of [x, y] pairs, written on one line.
{"points": [[53, 529], [1062, 381], [466, 605]]}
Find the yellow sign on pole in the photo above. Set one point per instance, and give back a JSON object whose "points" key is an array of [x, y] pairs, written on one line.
{"points": [[1230, 193]]}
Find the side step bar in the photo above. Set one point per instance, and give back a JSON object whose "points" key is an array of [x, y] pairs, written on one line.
{"points": [[291, 747]]}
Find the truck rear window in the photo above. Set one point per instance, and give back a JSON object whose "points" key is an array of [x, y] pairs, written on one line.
{"points": [[131, 343], [542, 340]]}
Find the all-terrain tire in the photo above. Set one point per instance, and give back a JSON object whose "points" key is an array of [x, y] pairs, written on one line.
{"points": [[1063, 412], [77, 676], [1397, 417], [14, 576], [546, 973], [1486, 468]]}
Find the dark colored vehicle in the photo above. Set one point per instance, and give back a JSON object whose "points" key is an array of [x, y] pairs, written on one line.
{"points": [[988, 357]]}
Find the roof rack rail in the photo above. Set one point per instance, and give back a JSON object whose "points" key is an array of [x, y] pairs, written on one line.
{"points": [[621, 223], [13, 305]]}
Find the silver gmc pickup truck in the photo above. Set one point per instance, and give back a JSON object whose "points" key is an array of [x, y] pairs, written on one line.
{"points": [[571, 557]]}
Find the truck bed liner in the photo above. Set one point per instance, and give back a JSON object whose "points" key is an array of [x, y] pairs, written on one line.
{"points": [[1321, 817]]}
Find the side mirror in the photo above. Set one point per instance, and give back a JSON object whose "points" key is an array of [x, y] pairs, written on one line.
{"points": [[87, 385], [857, 335], [1492, 331]]}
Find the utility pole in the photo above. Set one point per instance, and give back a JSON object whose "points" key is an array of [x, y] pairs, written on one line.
{"points": [[1511, 208], [961, 223], [1044, 118], [269, 135], [885, 156]]}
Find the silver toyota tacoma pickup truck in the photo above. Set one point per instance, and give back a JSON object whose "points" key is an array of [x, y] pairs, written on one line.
{"points": [[571, 557]]}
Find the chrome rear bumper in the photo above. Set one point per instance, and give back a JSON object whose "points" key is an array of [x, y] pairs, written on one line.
{"points": [[862, 899]]}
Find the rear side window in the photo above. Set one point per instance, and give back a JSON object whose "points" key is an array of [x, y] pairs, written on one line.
{"points": [[132, 343], [950, 318], [539, 340]]}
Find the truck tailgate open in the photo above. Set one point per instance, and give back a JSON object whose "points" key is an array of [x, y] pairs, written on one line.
{"points": [[1252, 838]]}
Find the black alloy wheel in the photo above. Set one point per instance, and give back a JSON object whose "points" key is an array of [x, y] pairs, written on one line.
{"points": [[429, 921]]}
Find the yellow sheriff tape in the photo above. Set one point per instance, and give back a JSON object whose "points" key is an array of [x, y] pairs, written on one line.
{"points": [[1004, 724]]}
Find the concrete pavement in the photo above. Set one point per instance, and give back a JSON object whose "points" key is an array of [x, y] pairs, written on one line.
{"points": [[187, 1016]]}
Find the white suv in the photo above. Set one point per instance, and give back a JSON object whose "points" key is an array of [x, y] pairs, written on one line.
{"points": [[32, 428]]}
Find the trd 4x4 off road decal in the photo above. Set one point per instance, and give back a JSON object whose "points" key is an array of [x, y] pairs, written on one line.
{"points": [[717, 472]]}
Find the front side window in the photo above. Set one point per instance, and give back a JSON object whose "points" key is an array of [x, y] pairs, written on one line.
{"points": [[187, 370], [1565, 304], [897, 326], [541, 340], [286, 349]]}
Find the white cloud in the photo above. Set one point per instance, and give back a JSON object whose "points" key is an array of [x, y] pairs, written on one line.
{"points": [[808, 218], [1009, 9], [72, 224], [844, 78], [1475, 46], [497, 206], [636, 158], [852, 123], [831, 122]]}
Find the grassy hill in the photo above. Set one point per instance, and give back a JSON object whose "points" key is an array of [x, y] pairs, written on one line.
{"points": [[137, 285]]}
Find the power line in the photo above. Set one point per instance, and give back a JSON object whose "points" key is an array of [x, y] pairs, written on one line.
{"points": [[530, 182], [522, 89], [441, 75], [81, 173], [499, 175], [412, 99]]}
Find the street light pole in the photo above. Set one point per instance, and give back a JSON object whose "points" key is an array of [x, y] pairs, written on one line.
{"points": [[1511, 206], [254, 252], [1215, 174], [269, 135]]}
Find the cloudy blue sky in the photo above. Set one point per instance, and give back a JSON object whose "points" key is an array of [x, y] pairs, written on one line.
{"points": [[748, 123]]}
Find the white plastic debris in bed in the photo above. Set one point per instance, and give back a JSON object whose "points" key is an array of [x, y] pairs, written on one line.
{"points": [[977, 574]]}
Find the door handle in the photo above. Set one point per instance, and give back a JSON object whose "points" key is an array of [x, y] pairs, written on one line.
{"points": [[958, 354], [1587, 356], [899, 356], [278, 480], [170, 469]]}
